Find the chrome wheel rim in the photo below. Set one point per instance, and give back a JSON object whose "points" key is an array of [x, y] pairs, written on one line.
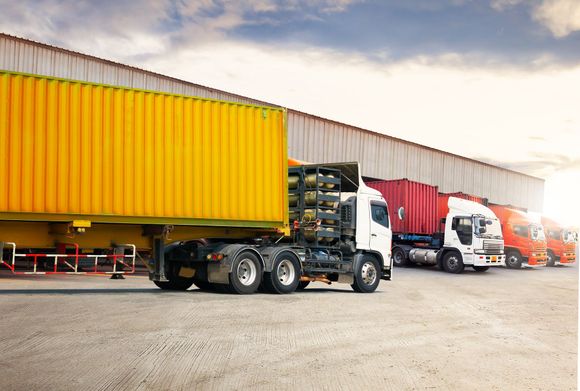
{"points": [[368, 273], [286, 272], [247, 272], [453, 263], [513, 260]]}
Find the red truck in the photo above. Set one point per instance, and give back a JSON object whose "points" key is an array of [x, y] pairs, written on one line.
{"points": [[561, 243], [525, 240]]}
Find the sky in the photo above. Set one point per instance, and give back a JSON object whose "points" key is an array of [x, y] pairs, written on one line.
{"points": [[493, 80]]}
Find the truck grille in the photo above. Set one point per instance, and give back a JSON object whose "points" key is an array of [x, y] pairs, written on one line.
{"points": [[539, 246], [492, 247]]}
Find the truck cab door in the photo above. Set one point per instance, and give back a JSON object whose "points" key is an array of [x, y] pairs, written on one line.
{"points": [[380, 231], [459, 235]]}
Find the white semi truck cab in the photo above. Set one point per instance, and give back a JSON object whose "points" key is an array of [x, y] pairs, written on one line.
{"points": [[339, 232], [472, 237]]}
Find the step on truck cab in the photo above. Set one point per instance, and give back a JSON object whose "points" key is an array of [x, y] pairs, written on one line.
{"points": [[525, 241], [560, 242], [471, 235]]}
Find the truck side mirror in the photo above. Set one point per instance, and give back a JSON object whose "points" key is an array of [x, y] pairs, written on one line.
{"points": [[482, 230], [401, 213]]}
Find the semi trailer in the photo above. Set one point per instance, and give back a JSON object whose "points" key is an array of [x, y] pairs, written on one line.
{"points": [[465, 233], [93, 177], [525, 240], [560, 243]]}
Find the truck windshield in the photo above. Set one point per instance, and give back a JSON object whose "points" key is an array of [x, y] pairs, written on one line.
{"points": [[567, 236], [537, 232], [491, 225]]}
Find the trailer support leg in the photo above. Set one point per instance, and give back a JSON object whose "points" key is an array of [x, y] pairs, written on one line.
{"points": [[159, 260]]}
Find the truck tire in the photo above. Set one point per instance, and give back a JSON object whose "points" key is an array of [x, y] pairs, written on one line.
{"points": [[481, 269], [551, 258], [246, 274], [399, 257], [367, 275], [302, 285], [174, 283], [513, 260], [285, 275], [452, 262]]}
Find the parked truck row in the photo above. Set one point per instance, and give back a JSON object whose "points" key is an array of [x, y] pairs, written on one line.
{"points": [[453, 230], [94, 178]]}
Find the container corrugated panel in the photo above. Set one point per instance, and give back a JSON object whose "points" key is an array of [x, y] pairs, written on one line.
{"points": [[419, 201], [443, 198], [310, 138], [124, 155]]}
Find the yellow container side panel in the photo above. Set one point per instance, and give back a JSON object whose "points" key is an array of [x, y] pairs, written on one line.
{"points": [[75, 148]]}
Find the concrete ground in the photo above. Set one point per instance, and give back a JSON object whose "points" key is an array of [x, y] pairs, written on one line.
{"points": [[426, 330]]}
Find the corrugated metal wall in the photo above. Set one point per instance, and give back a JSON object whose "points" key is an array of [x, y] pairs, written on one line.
{"points": [[310, 138]]}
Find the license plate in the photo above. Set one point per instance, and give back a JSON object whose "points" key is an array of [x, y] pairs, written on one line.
{"points": [[494, 258]]}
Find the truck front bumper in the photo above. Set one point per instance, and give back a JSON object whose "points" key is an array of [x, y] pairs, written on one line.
{"points": [[566, 259], [488, 260], [537, 260]]}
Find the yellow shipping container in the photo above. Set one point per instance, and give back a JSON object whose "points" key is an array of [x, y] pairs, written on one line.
{"points": [[74, 150]]}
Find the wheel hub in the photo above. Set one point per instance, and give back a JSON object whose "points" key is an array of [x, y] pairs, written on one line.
{"points": [[286, 272], [452, 262], [247, 272], [368, 273]]}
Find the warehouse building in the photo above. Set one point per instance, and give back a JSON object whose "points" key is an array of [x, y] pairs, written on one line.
{"points": [[310, 138]]}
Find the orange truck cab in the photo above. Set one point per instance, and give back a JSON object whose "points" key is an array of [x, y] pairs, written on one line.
{"points": [[525, 241], [561, 243]]}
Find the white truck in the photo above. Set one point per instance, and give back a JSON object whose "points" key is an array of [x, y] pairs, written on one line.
{"points": [[471, 237]]}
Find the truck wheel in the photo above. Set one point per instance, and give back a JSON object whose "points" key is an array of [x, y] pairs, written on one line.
{"points": [[452, 263], [174, 283], [285, 275], [366, 275], [246, 274], [481, 268], [399, 257], [551, 259], [513, 260]]}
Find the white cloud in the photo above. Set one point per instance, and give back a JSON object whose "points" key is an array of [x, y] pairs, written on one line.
{"points": [[561, 17], [501, 5]]}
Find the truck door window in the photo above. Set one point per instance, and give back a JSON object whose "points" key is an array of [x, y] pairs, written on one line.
{"points": [[555, 234], [379, 214], [464, 229], [521, 230]]}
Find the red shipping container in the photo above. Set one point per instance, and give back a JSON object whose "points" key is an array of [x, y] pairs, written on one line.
{"points": [[419, 201], [443, 198]]}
